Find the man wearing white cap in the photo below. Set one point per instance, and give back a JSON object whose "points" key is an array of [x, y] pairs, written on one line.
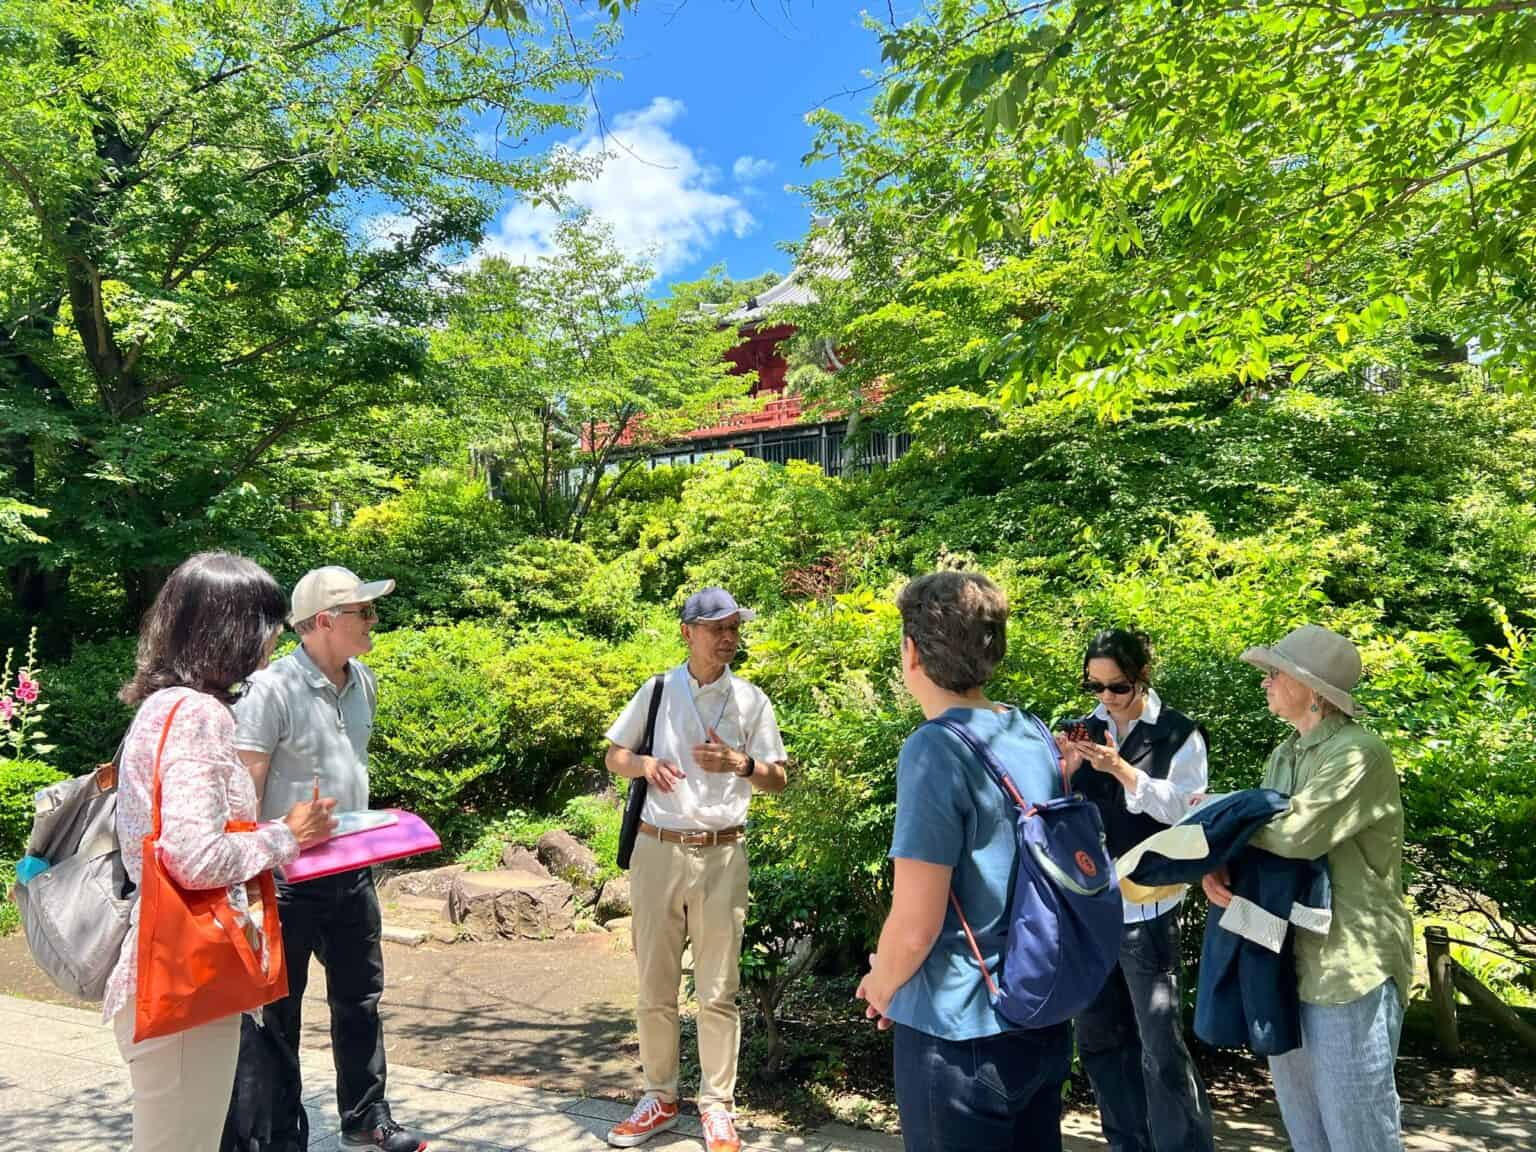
{"points": [[715, 741], [302, 728]]}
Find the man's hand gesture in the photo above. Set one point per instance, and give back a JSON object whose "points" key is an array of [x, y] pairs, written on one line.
{"points": [[718, 756], [661, 774]]}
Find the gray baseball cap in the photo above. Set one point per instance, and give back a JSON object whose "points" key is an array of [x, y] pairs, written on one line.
{"points": [[713, 604]]}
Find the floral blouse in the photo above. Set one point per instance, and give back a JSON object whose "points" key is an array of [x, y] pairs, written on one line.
{"points": [[203, 785]]}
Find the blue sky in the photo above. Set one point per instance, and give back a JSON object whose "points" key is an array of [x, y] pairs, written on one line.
{"points": [[709, 119]]}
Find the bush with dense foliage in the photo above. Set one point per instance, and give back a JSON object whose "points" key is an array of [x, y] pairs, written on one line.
{"points": [[87, 719], [473, 722]]}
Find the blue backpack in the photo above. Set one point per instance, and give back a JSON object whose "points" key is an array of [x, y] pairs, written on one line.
{"points": [[1064, 917]]}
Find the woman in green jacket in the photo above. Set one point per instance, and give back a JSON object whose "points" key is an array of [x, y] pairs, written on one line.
{"points": [[1337, 1092]]}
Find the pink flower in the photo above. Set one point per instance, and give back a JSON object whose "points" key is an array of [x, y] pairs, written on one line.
{"points": [[26, 689], [7, 708]]}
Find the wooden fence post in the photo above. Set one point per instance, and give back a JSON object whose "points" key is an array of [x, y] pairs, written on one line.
{"points": [[1442, 988], [1484, 998]]}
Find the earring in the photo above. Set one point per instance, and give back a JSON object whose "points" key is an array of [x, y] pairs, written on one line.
{"points": [[1313, 708]]}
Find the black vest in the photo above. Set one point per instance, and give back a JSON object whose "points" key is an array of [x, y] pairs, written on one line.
{"points": [[1151, 748]]}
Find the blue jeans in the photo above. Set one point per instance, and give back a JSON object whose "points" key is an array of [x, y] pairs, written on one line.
{"points": [[1131, 1042], [1337, 1092], [996, 1094]]}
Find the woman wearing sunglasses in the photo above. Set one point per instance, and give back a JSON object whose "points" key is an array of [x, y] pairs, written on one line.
{"points": [[1140, 762]]}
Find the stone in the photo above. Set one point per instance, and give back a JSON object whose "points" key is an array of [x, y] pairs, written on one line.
{"points": [[570, 860], [514, 905], [613, 901], [422, 882], [516, 858]]}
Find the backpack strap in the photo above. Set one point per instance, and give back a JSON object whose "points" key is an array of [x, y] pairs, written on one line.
{"points": [[970, 938], [1005, 782]]}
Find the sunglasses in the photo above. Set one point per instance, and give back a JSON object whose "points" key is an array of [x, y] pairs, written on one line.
{"points": [[369, 613], [1118, 688]]}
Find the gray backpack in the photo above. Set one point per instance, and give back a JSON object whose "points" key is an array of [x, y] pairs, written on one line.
{"points": [[77, 913]]}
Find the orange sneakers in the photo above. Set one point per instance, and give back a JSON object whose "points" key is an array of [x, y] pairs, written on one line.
{"points": [[720, 1131], [651, 1115]]}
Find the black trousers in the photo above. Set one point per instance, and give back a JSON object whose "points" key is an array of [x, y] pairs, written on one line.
{"points": [[336, 920], [1131, 1043]]}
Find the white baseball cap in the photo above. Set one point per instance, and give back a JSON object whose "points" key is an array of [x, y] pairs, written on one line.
{"points": [[331, 587]]}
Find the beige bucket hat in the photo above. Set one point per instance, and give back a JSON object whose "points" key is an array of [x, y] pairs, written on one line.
{"points": [[1324, 661], [331, 587]]}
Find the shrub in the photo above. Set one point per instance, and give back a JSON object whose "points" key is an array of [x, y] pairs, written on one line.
{"points": [[544, 580], [742, 526], [430, 539], [20, 780], [471, 721], [1463, 736], [87, 719]]}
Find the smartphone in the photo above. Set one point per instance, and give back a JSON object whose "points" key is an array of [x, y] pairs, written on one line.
{"points": [[1075, 730]]}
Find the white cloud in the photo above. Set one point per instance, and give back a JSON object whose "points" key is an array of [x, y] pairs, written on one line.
{"points": [[386, 229], [653, 191], [748, 170]]}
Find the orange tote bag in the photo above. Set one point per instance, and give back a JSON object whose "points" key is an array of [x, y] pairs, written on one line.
{"points": [[196, 964]]}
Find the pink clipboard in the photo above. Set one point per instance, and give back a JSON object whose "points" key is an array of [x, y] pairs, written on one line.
{"points": [[407, 836]]}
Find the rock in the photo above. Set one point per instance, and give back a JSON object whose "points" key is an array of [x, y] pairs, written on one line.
{"points": [[511, 904], [516, 858], [422, 882], [570, 860], [613, 902]]}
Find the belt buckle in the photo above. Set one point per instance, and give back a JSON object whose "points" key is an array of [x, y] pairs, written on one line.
{"points": [[698, 839]]}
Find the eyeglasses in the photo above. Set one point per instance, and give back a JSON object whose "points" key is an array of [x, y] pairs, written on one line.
{"points": [[1118, 688], [367, 613]]}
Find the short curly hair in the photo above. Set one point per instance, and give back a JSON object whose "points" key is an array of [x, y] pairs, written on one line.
{"points": [[958, 622]]}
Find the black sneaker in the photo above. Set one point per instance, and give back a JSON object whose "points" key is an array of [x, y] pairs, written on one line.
{"points": [[387, 1137]]}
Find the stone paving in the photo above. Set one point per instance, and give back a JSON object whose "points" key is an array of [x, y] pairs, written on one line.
{"points": [[63, 1087]]}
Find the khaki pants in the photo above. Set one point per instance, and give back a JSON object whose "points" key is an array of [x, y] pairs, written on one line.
{"points": [[181, 1083], [698, 893]]}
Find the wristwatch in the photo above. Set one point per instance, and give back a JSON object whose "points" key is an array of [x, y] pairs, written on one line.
{"points": [[751, 768]]}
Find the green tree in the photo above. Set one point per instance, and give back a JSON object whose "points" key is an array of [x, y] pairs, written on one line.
{"points": [[188, 301], [1260, 188], [574, 369]]}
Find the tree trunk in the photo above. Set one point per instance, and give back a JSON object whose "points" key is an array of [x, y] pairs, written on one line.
{"points": [[140, 586], [37, 592]]}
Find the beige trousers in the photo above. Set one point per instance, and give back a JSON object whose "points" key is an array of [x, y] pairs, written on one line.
{"points": [[181, 1083], [701, 894]]}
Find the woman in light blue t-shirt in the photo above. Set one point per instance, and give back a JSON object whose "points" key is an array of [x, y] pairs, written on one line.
{"points": [[965, 1078]]}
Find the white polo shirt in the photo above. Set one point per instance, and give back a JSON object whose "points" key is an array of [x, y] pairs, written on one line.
{"points": [[741, 716], [292, 712]]}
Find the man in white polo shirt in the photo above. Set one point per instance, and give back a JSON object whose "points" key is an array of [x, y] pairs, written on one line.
{"points": [[716, 740], [303, 725]]}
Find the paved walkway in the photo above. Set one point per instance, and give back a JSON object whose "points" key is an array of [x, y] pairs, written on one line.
{"points": [[63, 1087]]}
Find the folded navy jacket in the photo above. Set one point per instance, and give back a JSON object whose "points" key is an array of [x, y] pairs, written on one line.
{"points": [[1247, 994]]}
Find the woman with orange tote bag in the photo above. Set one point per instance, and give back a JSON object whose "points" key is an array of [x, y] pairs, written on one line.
{"points": [[197, 954]]}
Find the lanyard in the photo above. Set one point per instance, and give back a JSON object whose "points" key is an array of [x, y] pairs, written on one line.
{"points": [[694, 700]]}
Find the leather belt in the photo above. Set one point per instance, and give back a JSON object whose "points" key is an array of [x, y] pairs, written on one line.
{"points": [[694, 839]]}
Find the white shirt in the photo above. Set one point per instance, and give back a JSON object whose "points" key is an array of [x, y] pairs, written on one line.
{"points": [[1166, 800], [740, 714]]}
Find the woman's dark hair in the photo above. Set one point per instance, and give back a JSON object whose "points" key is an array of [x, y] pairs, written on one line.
{"points": [[1130, 650], [208, 627], [958, 621]]}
